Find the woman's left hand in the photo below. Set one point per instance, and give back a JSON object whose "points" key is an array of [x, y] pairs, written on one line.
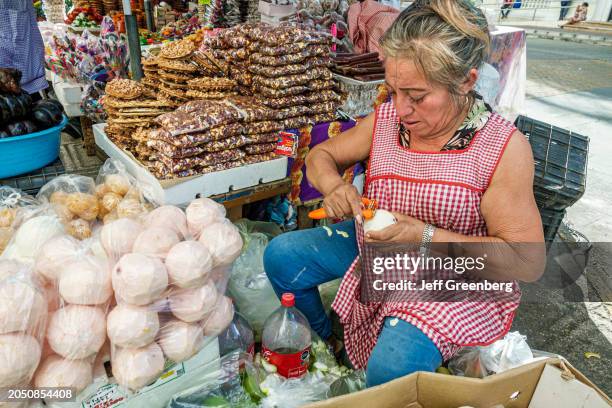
{"points": [[406, 229]]}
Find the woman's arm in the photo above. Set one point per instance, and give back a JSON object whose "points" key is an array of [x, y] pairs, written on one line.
{"points": [[515, 244], [328, 160]]}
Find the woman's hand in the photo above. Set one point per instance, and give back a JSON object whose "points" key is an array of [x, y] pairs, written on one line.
{"points": [[344, 200], [405, 230]]}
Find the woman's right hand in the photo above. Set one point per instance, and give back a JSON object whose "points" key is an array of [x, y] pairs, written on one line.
{"points": [[344, 200]]}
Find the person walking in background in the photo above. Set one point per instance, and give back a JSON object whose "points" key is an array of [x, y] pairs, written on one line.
{"points": [[506, 7], [21, 44], [565, 5], [579, 15]]}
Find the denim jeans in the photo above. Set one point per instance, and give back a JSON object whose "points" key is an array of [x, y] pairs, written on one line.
{"points": [[564, 9], [299, 261]]}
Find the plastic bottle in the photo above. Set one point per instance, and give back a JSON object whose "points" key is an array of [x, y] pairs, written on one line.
{"points": [[237, 336], [286, 339]]}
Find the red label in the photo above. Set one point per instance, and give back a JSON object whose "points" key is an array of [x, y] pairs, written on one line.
{"points": [[287, 144], [251, 349], [288, 365]]}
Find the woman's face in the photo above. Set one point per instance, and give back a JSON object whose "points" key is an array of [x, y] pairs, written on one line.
{"points": [[425, 109]]}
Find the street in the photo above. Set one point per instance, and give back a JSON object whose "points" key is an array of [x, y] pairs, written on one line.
{"points": [[570, 85]]}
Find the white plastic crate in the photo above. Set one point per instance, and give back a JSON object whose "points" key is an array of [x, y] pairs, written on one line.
{"points": [[360, 95]]}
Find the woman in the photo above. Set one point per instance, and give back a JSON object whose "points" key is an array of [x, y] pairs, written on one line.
{"points": [[448, 168], [580, 14], [21, 44]]}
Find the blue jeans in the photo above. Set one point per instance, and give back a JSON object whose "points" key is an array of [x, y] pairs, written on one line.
{"points": [[299, 261]]}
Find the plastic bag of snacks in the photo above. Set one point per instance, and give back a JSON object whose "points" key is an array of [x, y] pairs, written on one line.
{"points": [[77, 281], [73, 199], [169, 275], [15, 208], [120, 194], [23, 318]]}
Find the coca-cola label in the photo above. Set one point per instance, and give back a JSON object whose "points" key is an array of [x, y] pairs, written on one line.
{"points": [[289, 365]]}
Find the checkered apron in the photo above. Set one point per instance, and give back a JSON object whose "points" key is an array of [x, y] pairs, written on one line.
{"points": [[443, 189]]}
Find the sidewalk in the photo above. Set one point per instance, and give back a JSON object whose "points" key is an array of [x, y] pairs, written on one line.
{"points": [[551, 30]]}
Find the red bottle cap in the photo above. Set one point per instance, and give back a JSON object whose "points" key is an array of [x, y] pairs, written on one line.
{"points": [[288, 300]]}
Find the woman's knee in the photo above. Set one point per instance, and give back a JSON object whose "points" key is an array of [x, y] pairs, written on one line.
{"points": [[401, 349], [281, 257]]}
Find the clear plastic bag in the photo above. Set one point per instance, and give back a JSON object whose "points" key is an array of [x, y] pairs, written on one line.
{"points": [[249, 285], [168, 287], [226, 387], [78, 286], [478, 362], [120, 195], [23, 318], [15, 208]]}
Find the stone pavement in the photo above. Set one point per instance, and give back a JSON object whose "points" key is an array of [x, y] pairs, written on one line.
{"points": [[569, 85]]}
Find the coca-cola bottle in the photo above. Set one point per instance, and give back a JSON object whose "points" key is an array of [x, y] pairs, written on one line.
{"points": [[237, 336], [286, 339]]}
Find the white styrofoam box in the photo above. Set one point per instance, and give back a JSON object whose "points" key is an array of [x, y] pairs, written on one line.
{"points": [[274, 10], [198, 370], [72, 110], [67, 92], [181, 192]]}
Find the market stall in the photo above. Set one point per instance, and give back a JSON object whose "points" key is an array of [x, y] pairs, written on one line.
{"points": [[144, 285]]}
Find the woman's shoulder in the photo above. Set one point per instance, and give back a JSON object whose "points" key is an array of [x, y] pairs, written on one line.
{"points": [[497, 125]]}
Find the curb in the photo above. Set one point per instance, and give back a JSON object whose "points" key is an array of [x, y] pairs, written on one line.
{"points": [[578, 37]]}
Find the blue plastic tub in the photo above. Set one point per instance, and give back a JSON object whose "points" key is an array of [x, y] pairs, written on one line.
{"points": [[23, 154]]}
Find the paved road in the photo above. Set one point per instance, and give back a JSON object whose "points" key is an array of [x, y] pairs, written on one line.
{"points": [[570, 85]]}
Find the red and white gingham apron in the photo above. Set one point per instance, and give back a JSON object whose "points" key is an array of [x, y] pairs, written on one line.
{"points": [[443, 189]]}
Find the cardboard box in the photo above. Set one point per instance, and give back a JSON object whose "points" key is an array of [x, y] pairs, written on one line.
{"points": [[555, 381], [181, 191], [273, 10]]}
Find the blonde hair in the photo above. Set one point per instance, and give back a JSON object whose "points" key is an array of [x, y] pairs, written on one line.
{"points": [[444, 38]]}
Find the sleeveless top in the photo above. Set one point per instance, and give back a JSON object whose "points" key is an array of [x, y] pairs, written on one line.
{"points": [[444, 189]]}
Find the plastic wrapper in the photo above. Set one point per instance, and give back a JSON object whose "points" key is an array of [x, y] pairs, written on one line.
{"points": [[293, 80], [260, 148], [257, 158], [168, 287], [15, 208], [295, 58], [28, 240], [478, 362], [197, 139], [211, 83], [265, 127], [249, 285], [198, 116], [226, 386], [263, 138], [279, 93], [305, 99], [78, 289], [251, 110], [23, 318], [293, 69], [120, 195], [162, 172], [274, 36], [203, 160], [285, 49]]}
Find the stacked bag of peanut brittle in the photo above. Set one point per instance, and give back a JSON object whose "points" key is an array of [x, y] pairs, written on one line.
{"points": [[199, 137], [180, 73], [130, 107], [290, 68], [286, 68]]}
